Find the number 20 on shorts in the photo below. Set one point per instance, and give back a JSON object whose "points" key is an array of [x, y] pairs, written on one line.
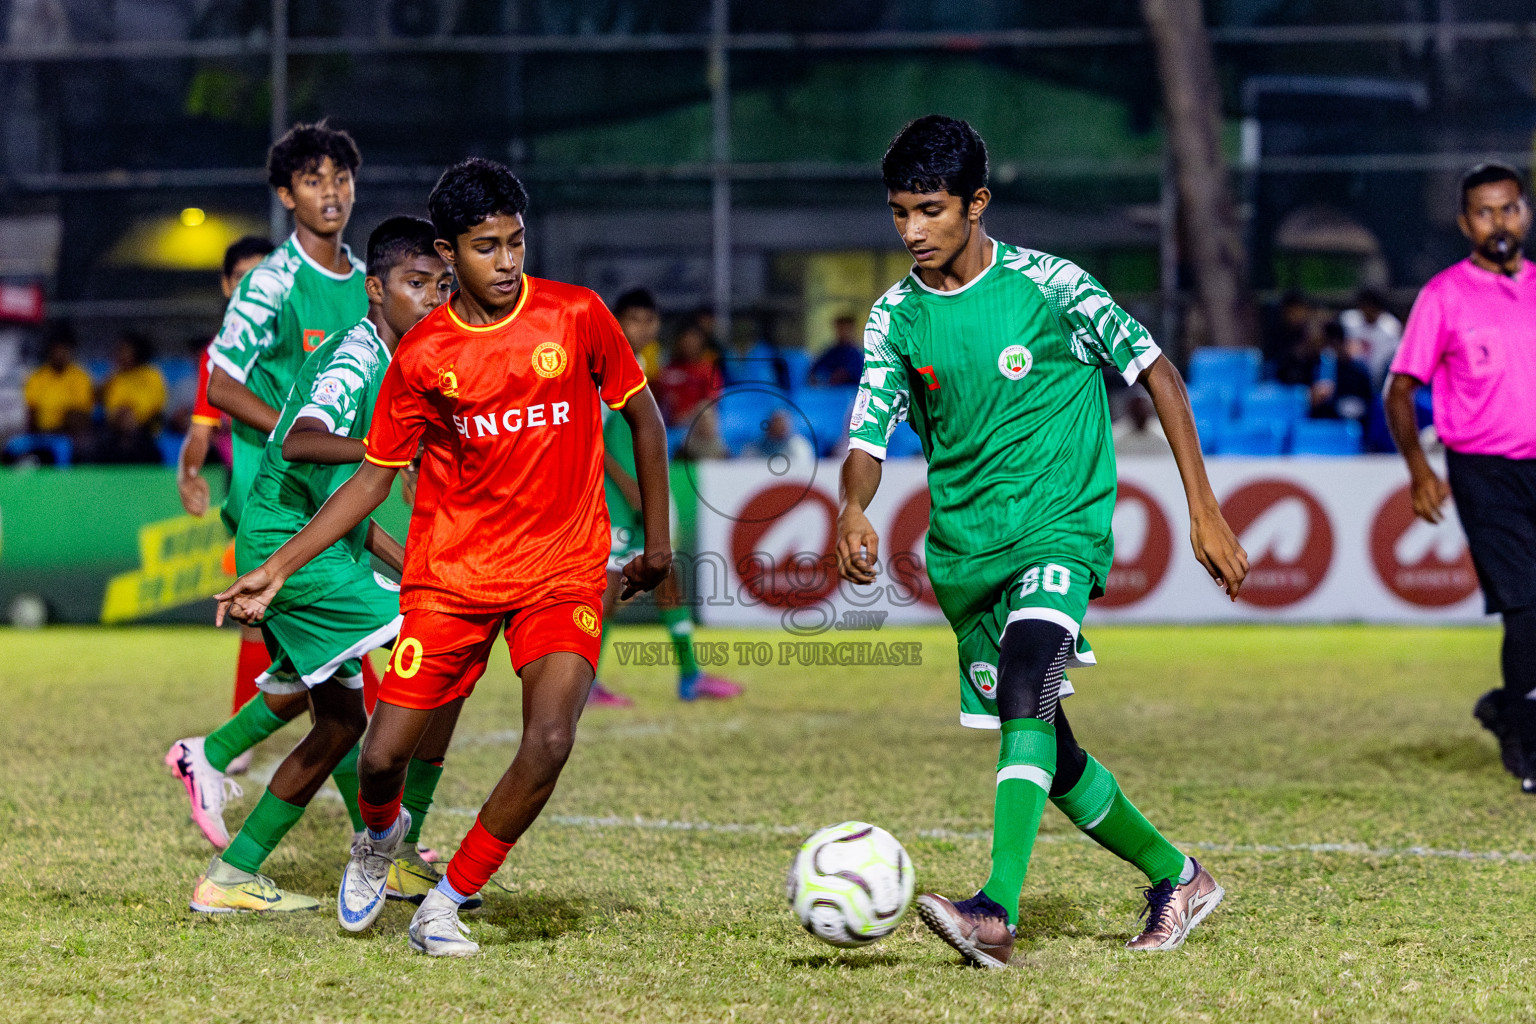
{"points": [[407, 657], [1053, 578]]}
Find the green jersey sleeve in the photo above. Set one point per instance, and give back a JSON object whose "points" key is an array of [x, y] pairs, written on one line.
{"points": [[884, 396], [1101, 333], [250, 320], [340, 389]]}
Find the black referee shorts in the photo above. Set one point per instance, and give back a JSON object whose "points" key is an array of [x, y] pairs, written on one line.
{"points": [[1496, 500]]}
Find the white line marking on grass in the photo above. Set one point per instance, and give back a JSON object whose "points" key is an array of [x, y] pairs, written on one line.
{"points": [[614, 821]]}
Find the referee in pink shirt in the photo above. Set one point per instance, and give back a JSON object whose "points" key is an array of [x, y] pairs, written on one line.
{"points": [[1472, 338]]}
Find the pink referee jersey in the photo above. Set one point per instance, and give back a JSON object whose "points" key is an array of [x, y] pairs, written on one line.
{"points": [[1472, 338]]}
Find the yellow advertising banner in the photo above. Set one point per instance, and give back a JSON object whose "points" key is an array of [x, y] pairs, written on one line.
{"points": [[181, 560]]}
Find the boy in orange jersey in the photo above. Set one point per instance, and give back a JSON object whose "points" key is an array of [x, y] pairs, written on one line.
{"points": [[509, 533]]}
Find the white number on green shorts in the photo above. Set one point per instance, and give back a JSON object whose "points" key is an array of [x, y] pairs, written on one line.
{"points": [[1031, 581], [1058, 579]]}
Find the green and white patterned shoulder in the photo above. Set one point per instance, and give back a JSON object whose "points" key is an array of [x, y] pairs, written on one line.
{"points": [[1098, 330], [882, 399], [884, 316], [352, 368], [250, 320]]}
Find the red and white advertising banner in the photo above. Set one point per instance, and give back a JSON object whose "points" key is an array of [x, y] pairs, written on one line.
{"points": [[1328, 540]]}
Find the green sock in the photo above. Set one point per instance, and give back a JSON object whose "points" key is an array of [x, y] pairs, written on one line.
{"points": [[420, 783], [1097, 806], [248, 727], [1025, 763], [345, 777], [264, 828], [679, 623]]}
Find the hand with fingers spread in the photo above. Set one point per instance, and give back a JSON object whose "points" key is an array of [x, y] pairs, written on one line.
{"points": [[646, 572], [1217, 549], [248, 598], [858, 547]]}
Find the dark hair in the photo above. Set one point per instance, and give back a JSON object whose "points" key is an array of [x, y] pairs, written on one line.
{"points": [[635, 298], [1487, 174], [1370, 297], [936, 154], [399, 239], [143, 349], [59, 332], [305, 147], [473, 191], [242, 249]]}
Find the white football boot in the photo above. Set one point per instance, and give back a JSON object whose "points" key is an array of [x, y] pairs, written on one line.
{"points": [[362, 894]]}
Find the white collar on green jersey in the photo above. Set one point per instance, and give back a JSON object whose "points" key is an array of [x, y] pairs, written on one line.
{"points": [[307, 258], [997, 254]]}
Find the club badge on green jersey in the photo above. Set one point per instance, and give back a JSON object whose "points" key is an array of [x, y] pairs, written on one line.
{"points": [[1014, 362]]}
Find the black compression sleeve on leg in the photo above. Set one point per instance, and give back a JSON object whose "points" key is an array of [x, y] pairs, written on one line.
{"points": [[1071, 759], [1032, 662]]}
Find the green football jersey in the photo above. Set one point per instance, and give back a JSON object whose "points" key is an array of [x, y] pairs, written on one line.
{"points": [[1003, 381], [282, 310], [338, 385], [619, 442]]}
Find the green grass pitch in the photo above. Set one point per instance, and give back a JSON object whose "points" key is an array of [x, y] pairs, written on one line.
{"points": [[1378, 862]]}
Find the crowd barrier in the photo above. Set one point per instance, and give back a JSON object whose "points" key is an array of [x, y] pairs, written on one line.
{"points": [[1328, 540]]}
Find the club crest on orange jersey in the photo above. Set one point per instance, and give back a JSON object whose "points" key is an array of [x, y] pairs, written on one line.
{"points": [[448, 382], [549, 359], [586, 619]]}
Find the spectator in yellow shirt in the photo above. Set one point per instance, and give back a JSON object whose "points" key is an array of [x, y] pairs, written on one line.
{"points": [[59, 394], [134, 402]]}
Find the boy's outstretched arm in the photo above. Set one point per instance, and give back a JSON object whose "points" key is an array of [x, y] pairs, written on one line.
{"points": [[858, 546], [647, 571], [248, 597], [1215, 545]]}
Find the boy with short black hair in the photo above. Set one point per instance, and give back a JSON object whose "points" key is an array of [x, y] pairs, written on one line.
{"points": [[996, 354], [504, 384], [337, 609], [308, 288]]}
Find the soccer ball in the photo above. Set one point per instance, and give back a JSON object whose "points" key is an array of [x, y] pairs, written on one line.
{"points": [[850, 884]]}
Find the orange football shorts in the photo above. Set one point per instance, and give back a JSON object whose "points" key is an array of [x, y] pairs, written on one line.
{"points": [[441, 655]]}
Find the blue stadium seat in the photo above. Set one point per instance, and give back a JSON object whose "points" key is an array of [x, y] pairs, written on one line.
{"points": [[797, 367], [170, 447], [1209, 429], [176, 371], [1215, 400], [760, 365], [57, 445], [1252, 437], [1281, 403], [675, 438], [1326, 437], [99, 369], [1235, 367], [828, 411], [904, 442], [743, 412]]}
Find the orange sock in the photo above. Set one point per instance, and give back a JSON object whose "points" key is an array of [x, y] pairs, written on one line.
{"points": [[480, 856], [254, 660], [370, 685]]}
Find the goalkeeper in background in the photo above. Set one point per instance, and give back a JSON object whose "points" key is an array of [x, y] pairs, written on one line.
{"points": [[996, 354]]}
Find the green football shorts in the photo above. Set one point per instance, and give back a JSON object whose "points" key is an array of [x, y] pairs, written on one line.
{"points": [[1054, 589], [326, 638]]}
